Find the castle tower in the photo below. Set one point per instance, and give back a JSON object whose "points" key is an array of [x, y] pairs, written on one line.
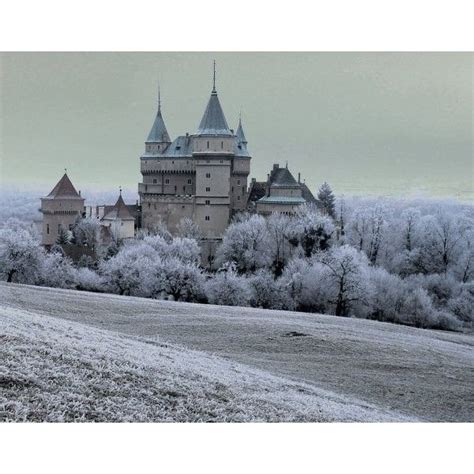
{"points": [[119, 221], [158, 138], [201, 176], [213, 150], [60, 209]]}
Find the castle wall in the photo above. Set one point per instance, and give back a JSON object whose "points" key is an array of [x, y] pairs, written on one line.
{"points": [[59, 213], [269, 208]]}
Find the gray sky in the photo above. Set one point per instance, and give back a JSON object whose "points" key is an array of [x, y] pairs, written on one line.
{"points": [[376, 123]]}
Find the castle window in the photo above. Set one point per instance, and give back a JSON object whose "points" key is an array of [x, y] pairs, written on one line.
{"points": [[173, 161], [208, 202], [167, 181], [238, 181], [238, 198], [207, 144], [208, 189], [190, 181], [154, 206], [222, 145], [243, 190], [59, 228], [232, 188], [207, 218], [182, 207], [175, 188], [208, 175], [184, 189], [47, 228], [154, 181], [146, 188], [149, 205]]}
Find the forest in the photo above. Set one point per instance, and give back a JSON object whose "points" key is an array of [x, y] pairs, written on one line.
{"points": [[405, 261]]}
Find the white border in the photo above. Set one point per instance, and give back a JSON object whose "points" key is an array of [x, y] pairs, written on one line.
{"points": [[238, 25]]}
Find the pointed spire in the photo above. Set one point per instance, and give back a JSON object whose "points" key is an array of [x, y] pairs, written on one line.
{"points": [[213, 121], [158, 132], [159, 97], [214, 91], [240, 131]]}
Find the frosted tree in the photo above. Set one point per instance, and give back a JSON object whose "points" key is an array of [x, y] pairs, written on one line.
{"points": [[327, 200], [442, 240], [56, 271], [268, 292], [366, 231], [347, 277], [228, 288], [311, 231], [64, 236], [189, 229], [20, 256], [279, 232], [124, 273], [246, 244], [86, 232], [88, 280]]}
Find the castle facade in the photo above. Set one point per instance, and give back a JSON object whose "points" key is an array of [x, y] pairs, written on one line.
{"points": [[202, 176]]}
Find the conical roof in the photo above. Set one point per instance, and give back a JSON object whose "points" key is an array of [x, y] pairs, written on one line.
{"points": [[119, 211], [213, 121], [283, 177], [240, 133], [64, 189], [158, 132]]}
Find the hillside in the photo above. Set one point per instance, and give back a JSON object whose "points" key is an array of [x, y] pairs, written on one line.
{"points": [[68, 355]]}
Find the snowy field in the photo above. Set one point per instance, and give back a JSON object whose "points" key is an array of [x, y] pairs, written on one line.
{"points": [[67, 355]]}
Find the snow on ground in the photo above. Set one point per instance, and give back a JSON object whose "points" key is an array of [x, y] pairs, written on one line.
{"points": [[56, 370], [126, 356]]}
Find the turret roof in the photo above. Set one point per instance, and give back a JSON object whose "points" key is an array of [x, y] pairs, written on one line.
{"points": [[119, 211], [283, 177], [240, 133], [64, 189], [158, 132], [213, 121]]}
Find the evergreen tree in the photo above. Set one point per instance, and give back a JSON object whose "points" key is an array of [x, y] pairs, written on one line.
{"points": [[64, 237], [327, 200]]}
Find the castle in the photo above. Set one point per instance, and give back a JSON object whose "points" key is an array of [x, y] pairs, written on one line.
{"points": [[201, 176]]}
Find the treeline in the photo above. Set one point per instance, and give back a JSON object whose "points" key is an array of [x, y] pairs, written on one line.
{"points": [[374, 259]]}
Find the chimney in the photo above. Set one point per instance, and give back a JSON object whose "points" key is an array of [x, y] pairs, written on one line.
{"points": [[299, 178], [254, 180], [276, 166]]}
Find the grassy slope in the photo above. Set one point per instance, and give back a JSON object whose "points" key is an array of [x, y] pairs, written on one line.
{"points": [[55, 370], [425, 374]]}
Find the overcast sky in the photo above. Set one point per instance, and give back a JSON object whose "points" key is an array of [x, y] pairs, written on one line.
{"points": [[380, 123]]}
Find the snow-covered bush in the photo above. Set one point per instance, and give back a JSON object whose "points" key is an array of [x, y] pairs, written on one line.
{"points": [[311, 231], [228, 288], [88, 280], [20, 256], [124, 273], [56, 271], [268, 292], [246, 245]]}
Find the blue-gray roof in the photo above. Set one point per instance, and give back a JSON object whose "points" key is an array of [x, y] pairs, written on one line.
{"points": [[158, 132], [213, 121], [282, 177], [282, 200]]}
